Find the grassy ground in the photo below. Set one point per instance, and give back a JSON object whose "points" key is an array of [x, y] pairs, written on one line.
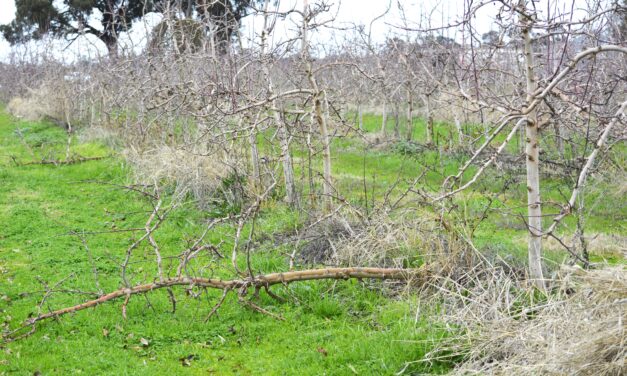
{"points": [[503, 230], [330, 328], [56, 219]]}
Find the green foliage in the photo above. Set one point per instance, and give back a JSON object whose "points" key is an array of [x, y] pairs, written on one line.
{"points": [[230, 197], [178, 36], [36, 18], [409, 148]]}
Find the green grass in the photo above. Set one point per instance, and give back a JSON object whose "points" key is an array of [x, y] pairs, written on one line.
{"points": [[332, 328], [503, 229]]}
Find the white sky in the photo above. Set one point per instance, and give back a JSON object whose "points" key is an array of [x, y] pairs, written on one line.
{"points": [[347, 12]]}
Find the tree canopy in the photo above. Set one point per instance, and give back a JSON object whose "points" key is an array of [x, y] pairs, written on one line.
{"points": [[37, 18], [69, 18]]}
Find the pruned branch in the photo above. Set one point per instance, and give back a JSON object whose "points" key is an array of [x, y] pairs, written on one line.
{"points": [[241, 285]]}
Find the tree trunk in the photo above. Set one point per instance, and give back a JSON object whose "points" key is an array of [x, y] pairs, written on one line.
{"points": [[429, 120], [559, 139], [291, 196], [410, 114], [534, 217], [254, 156], [397, 125], [321, 119], [112, 48], [360, 117], [385, 118], [109, 35], [460, 133], [327, 189]]}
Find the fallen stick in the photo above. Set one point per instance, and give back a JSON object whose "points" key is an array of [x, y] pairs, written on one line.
{"points": [[242, 285], [62, 162]]}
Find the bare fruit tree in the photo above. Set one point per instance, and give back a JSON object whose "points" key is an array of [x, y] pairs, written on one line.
{"points": [[533, 108]]}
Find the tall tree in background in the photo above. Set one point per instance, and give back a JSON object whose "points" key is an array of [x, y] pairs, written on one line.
{"points": [[222, 18], [70, 18], [36, 18], [192, 25]]}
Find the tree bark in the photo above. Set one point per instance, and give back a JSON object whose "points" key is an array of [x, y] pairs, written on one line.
{"points": [[534, 208], [291, 196], [460, 133], [559, 139], [360, 117], [429, 120], [112, 47], [385, 118], [397, 121], [319, 114], [254, 155], [241, 285], [410, 113]]}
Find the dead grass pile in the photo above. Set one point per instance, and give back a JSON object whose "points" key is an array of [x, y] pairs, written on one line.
{"points": [[320, 239], [404, 240], [599, 244], [48, 101], [191, 171], [508, 329], [23, 108]]}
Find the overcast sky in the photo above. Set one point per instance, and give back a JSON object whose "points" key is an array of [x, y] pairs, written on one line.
{"points": [[346, 12]]}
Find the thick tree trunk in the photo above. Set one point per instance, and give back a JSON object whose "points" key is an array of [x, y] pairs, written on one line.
{"points": [[112, 48], [534, 217], [109, 35]]}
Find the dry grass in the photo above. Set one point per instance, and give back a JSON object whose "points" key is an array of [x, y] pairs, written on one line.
{"points": [[406, 239], [23, 108], [108, 136], [507, 329], [598, 244], [47, 101], [193, 172]]}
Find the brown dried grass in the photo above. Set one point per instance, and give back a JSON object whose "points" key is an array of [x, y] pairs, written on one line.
{"points": [[47, 101], [195, 172], [401, 240], [504, 328]]}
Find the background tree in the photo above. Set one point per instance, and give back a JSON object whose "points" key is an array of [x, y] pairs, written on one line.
{"points": [[491, 38], [37, 18], [222, 17], [71, 18]]}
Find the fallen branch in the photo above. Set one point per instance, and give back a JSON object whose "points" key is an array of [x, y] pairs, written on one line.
{"points": [[240, 285], [65, 162]]}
